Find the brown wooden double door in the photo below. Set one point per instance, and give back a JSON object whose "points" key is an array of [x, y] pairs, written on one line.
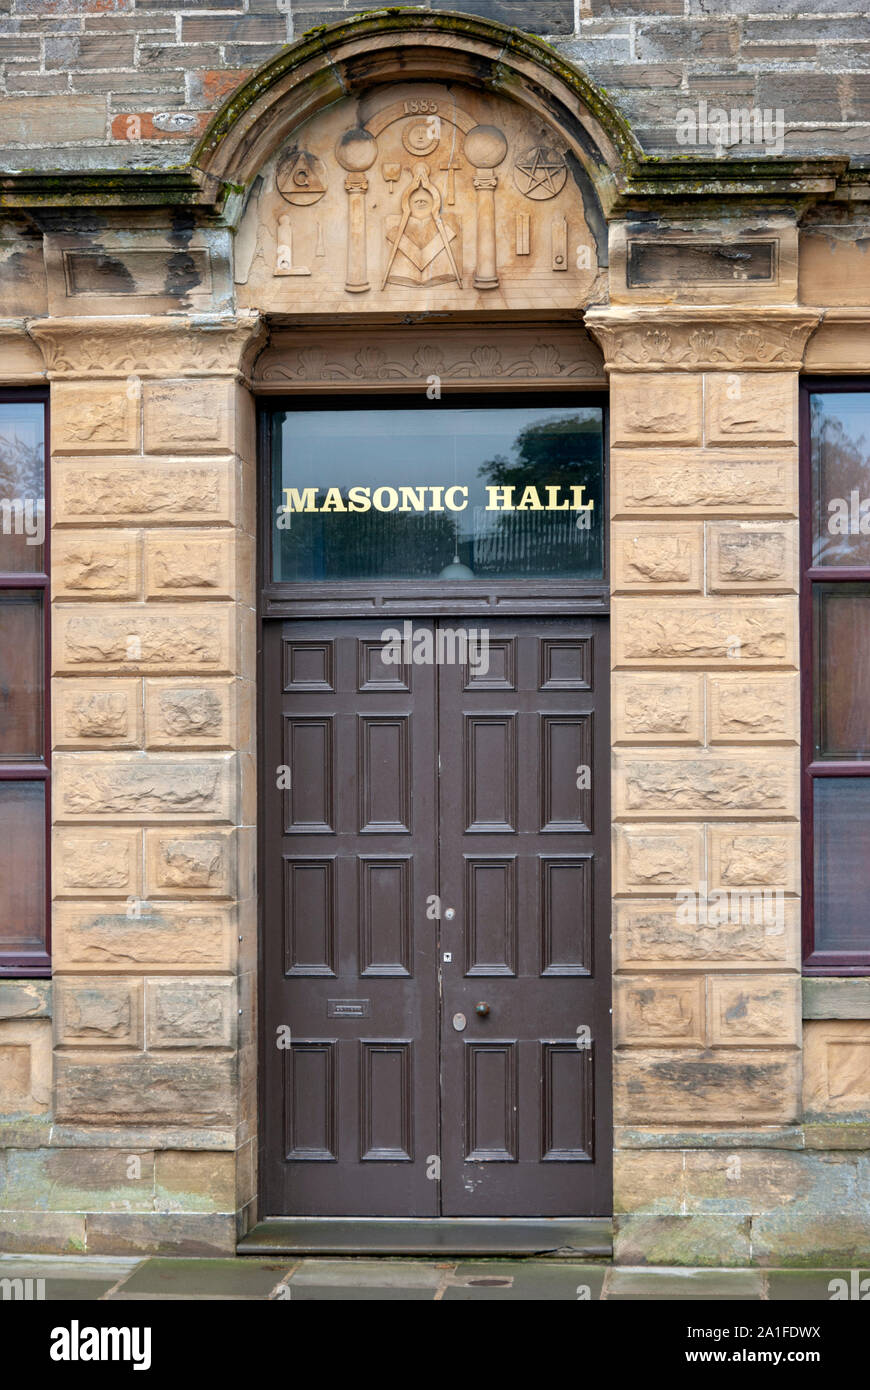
{"points": [[439, 843]]}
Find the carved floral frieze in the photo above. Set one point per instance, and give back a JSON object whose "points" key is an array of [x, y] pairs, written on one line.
{"points": [[706, 339], [406, 359], [148, 347]]}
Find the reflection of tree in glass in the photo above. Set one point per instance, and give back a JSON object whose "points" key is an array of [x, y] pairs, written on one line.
{"points": [[841, 463], [563, 451], [385, 545], [20, 463]]}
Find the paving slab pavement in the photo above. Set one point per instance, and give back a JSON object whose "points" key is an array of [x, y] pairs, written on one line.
{"points": [[94, 1278]]}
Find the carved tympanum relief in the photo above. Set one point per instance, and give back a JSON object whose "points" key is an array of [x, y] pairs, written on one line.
{"points": [[419, 196]]}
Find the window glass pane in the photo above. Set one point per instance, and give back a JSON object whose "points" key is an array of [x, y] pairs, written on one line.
{"points": [[842, 675], [22, 486], [842, 875], [21, 674], [22, 865], [408, 494], [840, 444]]}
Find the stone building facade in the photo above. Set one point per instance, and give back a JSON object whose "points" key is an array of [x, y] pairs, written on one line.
{"points": [[166, 263]]}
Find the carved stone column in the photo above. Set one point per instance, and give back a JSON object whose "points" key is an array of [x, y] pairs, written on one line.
{"points": [[485, 148], [356, 152]]}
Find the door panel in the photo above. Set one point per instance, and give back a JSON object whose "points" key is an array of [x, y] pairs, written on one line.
{"points": [[408, 782], [350, 960], [524, 867]]}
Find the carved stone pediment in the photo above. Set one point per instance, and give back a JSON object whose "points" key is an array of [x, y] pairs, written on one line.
{"points": [[421, 197]]}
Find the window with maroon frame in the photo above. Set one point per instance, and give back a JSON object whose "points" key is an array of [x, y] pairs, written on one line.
{"points": [[24, 741], [835, 611]]}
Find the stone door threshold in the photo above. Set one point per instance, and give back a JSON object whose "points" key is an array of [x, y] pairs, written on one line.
{"points": [[565, 1237]]}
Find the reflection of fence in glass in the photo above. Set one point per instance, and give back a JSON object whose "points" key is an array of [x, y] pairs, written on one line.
{"points": [[535, 542]]}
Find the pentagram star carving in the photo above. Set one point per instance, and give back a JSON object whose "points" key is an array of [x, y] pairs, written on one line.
{"points": [[540, 173]]}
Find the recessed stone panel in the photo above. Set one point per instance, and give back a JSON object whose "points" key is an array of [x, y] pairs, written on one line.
{"points": [[189, 714], [151, 492], [649, 859], [704, 632], [158, 640], [95, 417], [123, 787], [669, 783], [649, 556], [657, 708], [653, 407], [753, 709], [761, 406], [104, 863], [97, 713], [185, 862], [96, 565]]}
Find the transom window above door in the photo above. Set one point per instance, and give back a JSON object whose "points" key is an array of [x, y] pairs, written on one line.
{"points": [[438, 491]]}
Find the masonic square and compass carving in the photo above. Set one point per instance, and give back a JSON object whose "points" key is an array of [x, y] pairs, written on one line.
{"points": [[418, 196]]}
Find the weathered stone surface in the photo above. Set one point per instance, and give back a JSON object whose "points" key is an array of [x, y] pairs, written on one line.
{"points": [[648, 406], [674, 783], [657, 709], [766, 856], [721, 1087], [648, 859], [752, 558], [753, 709], [191, 564], [185, 714], [681, 482], [114, 491], [42, 1233], [650, 934], [654, 1012], [96, 564], [186, 1181], [830, 997], [25, 1066], [704, 632], [750, 405], [648, 1182], [97, 714], [837, 1069], [171, 641], [161, 1233], [648, 556], [189, 1089], [98, 1014], [685, 1240], [25, 999], [124, 786], [77, 1180], [189, 417], [187, 863], [101, 863], [750, 1181], [102, 937], [754, 1010], [95, 417], [190, 1013]]}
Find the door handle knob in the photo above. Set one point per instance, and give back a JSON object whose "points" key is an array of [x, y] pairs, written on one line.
{"points": [[481, 1009]]}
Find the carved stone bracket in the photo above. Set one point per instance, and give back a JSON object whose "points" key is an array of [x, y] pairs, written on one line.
{"points": [[399, 359], [148, 347], [702, 338]]}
